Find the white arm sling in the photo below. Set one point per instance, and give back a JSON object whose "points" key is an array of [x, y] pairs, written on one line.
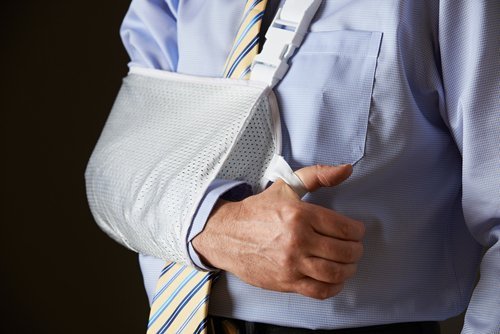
{"points": [[169, 135]]}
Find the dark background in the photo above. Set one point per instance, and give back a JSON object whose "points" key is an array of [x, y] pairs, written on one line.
{"points": [[61, 67]]}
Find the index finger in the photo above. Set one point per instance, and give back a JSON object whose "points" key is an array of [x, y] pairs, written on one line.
{"points": [[332, 224]]}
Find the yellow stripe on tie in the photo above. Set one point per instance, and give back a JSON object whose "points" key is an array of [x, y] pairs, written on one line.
{"points": [[244, 50]]}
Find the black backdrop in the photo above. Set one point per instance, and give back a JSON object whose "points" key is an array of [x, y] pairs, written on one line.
{"points": [[60, 68], [61, 65]]}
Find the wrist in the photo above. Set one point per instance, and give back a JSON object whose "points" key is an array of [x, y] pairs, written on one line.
{"points": [[212, 243]]}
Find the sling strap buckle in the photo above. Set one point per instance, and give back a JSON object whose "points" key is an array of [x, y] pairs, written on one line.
{"points": [[285, 34]]}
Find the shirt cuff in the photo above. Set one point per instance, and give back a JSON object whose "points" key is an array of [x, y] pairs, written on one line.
{"points": [[226, 189]]}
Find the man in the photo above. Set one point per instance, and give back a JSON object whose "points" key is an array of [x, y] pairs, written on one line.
{"points": [[407, 92]]}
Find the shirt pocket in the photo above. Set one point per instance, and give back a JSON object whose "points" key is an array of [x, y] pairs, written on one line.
{"points": [[326, 95]]}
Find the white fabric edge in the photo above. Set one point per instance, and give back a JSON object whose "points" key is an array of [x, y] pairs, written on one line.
{"points": [[166, 75], [280, 169]]}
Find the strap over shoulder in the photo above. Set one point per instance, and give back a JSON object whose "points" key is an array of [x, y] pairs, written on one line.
{"points": [[284, 36]]}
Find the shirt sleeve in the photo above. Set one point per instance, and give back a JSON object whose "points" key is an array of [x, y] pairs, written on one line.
{"points": [[469, 47], [149, 34]]}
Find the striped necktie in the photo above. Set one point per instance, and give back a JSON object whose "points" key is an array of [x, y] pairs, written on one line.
{"points": [[246, 43], [180, 304]]}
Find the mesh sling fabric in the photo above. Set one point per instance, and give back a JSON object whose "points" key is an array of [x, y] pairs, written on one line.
{"points": [[167, 138]]}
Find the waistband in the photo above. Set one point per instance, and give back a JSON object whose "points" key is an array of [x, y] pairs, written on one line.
{"points": [[220, 325]]}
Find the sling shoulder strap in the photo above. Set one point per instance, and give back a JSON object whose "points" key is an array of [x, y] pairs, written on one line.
{"points": [[269, 13], [284, 36]]}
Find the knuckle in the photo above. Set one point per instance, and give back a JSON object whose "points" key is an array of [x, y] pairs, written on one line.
{"points": [[291, 212], [317, 292], [336, 289], [287, 262], [293, 232], [296, 242], [287, 279], [352, 252], [322, 294], [345, 229], [348, 253], [293, 242], [305, 288], [284, 262], [321, 178], [327, 291], [336, 275], [284, 276]]}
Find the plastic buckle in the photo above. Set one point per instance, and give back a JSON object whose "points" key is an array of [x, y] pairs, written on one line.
{"points": [[285, 34]]}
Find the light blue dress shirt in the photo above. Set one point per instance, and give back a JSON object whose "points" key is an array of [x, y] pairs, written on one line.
{"points": [[409, 92]]}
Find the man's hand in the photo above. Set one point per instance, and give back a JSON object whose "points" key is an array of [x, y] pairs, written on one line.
{"points": [[275, 241]]}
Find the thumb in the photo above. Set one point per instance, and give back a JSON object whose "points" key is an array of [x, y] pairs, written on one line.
{"points": [[318, 176]]}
